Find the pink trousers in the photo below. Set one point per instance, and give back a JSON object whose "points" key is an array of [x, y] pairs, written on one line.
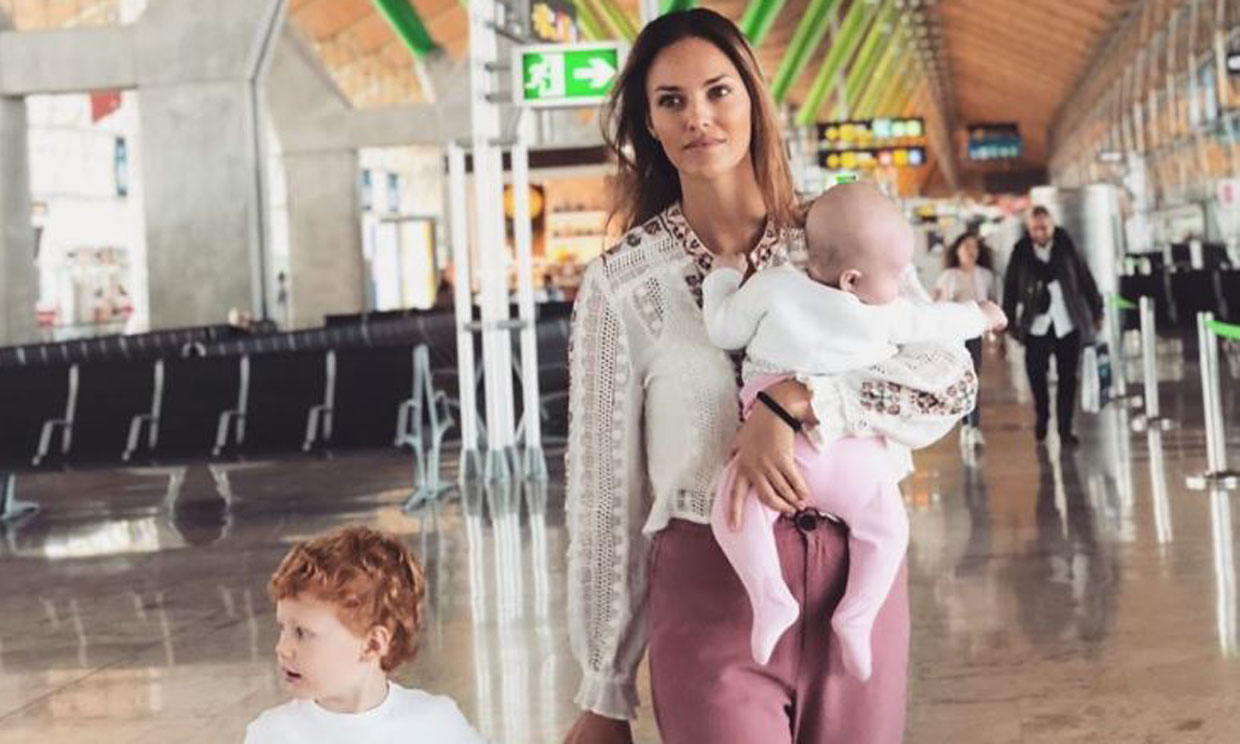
{"points": [[706, 685]]}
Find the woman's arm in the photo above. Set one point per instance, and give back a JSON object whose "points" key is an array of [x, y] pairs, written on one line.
{"points": [[608, 499]]}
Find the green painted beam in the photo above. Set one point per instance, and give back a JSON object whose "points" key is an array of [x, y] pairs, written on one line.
{"points": [[614, 18], [407, 25], [843, 47], [805, 41], [588, 22], [759, 16], [879, 36], [904, 84], [675, 6], [878, 82]]}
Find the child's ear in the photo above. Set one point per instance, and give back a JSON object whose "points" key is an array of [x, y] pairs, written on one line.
{"points": [[378, 641], [849, 280]]}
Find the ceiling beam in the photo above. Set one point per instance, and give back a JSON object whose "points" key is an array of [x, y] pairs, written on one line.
{"points": [[843, 47], [805, 40], [758, 19], [878, 39]]}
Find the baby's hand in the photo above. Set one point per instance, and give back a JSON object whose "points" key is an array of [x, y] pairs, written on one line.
{"points": [[736, 261], [996, 320]]}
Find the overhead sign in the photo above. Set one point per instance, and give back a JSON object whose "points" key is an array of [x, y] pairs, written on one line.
{"points": [[565, 75], [994, 142], [553, 21], [899, 157], [869, 133]]}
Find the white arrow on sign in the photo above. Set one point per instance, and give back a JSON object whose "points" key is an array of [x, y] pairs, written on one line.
{"points": [[599, 73]]}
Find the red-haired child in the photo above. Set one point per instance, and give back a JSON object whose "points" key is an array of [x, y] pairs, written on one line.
{"points": [[349, 609]]}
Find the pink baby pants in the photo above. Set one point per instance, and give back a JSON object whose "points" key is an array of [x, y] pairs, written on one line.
{"points": [[851, 479]]}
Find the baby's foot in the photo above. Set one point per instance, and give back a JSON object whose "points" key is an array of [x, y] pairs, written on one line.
{"points": [[855, 648], [773, 614]]}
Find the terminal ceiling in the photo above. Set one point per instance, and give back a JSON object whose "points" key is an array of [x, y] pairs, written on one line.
{"points": [[997, 60]]}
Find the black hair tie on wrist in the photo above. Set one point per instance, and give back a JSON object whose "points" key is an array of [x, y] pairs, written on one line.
{"points": [[779, 410]]}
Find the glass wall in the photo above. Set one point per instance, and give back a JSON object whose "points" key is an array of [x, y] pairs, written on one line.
{"points": [[1160, 117]]}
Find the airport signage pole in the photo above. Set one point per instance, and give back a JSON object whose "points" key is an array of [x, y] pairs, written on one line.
{"points": [[458, 226], [489, 238]]}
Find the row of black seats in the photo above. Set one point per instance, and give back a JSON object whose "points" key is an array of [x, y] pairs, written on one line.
{"points": [[103, 410], [1179, 295], [170, 342]]}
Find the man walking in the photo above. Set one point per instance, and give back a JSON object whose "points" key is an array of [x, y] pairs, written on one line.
{"points": [[1054, 301]]}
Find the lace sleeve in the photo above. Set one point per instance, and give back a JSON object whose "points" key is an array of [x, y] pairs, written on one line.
{"points": [[913, 399], [608, 499]]}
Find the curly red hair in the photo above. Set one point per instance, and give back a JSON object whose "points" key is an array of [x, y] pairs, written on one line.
{"points": [[371, 578]]}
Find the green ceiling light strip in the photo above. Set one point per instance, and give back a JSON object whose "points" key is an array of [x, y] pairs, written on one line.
{"points": [[877, 85], [407, 25], [759, 16], [588, 22], [614, 18], [675, 6], [805, 40], [843, 46], [880, 36]]}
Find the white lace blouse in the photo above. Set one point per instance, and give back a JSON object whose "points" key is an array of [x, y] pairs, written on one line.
{"points": [[653, 410]]}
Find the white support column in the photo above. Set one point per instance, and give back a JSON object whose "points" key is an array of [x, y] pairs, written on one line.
{"points": [[489, 219], [458, 224], [535, 464]]}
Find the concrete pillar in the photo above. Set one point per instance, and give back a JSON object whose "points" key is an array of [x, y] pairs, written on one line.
{"points": [[326, 270], [199, 67], [18, 277], [200, 170]]}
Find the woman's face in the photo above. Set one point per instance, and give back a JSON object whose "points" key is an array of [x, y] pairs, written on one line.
{"points": [[699, 109], [968, 253]]}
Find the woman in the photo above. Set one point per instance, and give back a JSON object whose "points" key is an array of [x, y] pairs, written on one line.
{"points": [[968, 276], [654, 417]]}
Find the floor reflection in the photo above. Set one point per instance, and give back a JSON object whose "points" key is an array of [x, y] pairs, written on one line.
{"points": [[1055, 595]]}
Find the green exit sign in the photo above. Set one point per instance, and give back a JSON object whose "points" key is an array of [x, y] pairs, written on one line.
{"points": [[565, 74]]}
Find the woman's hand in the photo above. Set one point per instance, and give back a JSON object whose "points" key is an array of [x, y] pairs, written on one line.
{"points": [[591, 728], [764, 455]]}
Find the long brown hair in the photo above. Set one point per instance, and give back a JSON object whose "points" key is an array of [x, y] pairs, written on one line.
{"points": [[985, 257], [647, 182]]}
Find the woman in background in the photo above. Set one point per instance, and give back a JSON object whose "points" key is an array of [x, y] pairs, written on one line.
{"points": [[968, 276]]}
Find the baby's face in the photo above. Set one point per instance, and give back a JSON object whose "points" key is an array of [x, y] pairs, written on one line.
{"points": [[884, 260]]}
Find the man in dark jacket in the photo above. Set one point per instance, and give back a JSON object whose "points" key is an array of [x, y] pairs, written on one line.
{"points": [[1055, 306]]}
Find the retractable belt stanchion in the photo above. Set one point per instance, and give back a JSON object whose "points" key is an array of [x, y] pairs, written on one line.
{"points": [[1119, 368], [1152, 419], [1217, 475], [11, 507]]}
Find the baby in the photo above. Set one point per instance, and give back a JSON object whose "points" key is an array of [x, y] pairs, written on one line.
{"points": [[844, 313], [348, 605]]}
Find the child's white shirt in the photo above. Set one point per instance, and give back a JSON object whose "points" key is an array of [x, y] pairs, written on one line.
{"points": [[405, 715], [788, 322]]}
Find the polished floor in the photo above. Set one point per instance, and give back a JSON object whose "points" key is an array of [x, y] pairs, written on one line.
{"points": [[1082, 596]]}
